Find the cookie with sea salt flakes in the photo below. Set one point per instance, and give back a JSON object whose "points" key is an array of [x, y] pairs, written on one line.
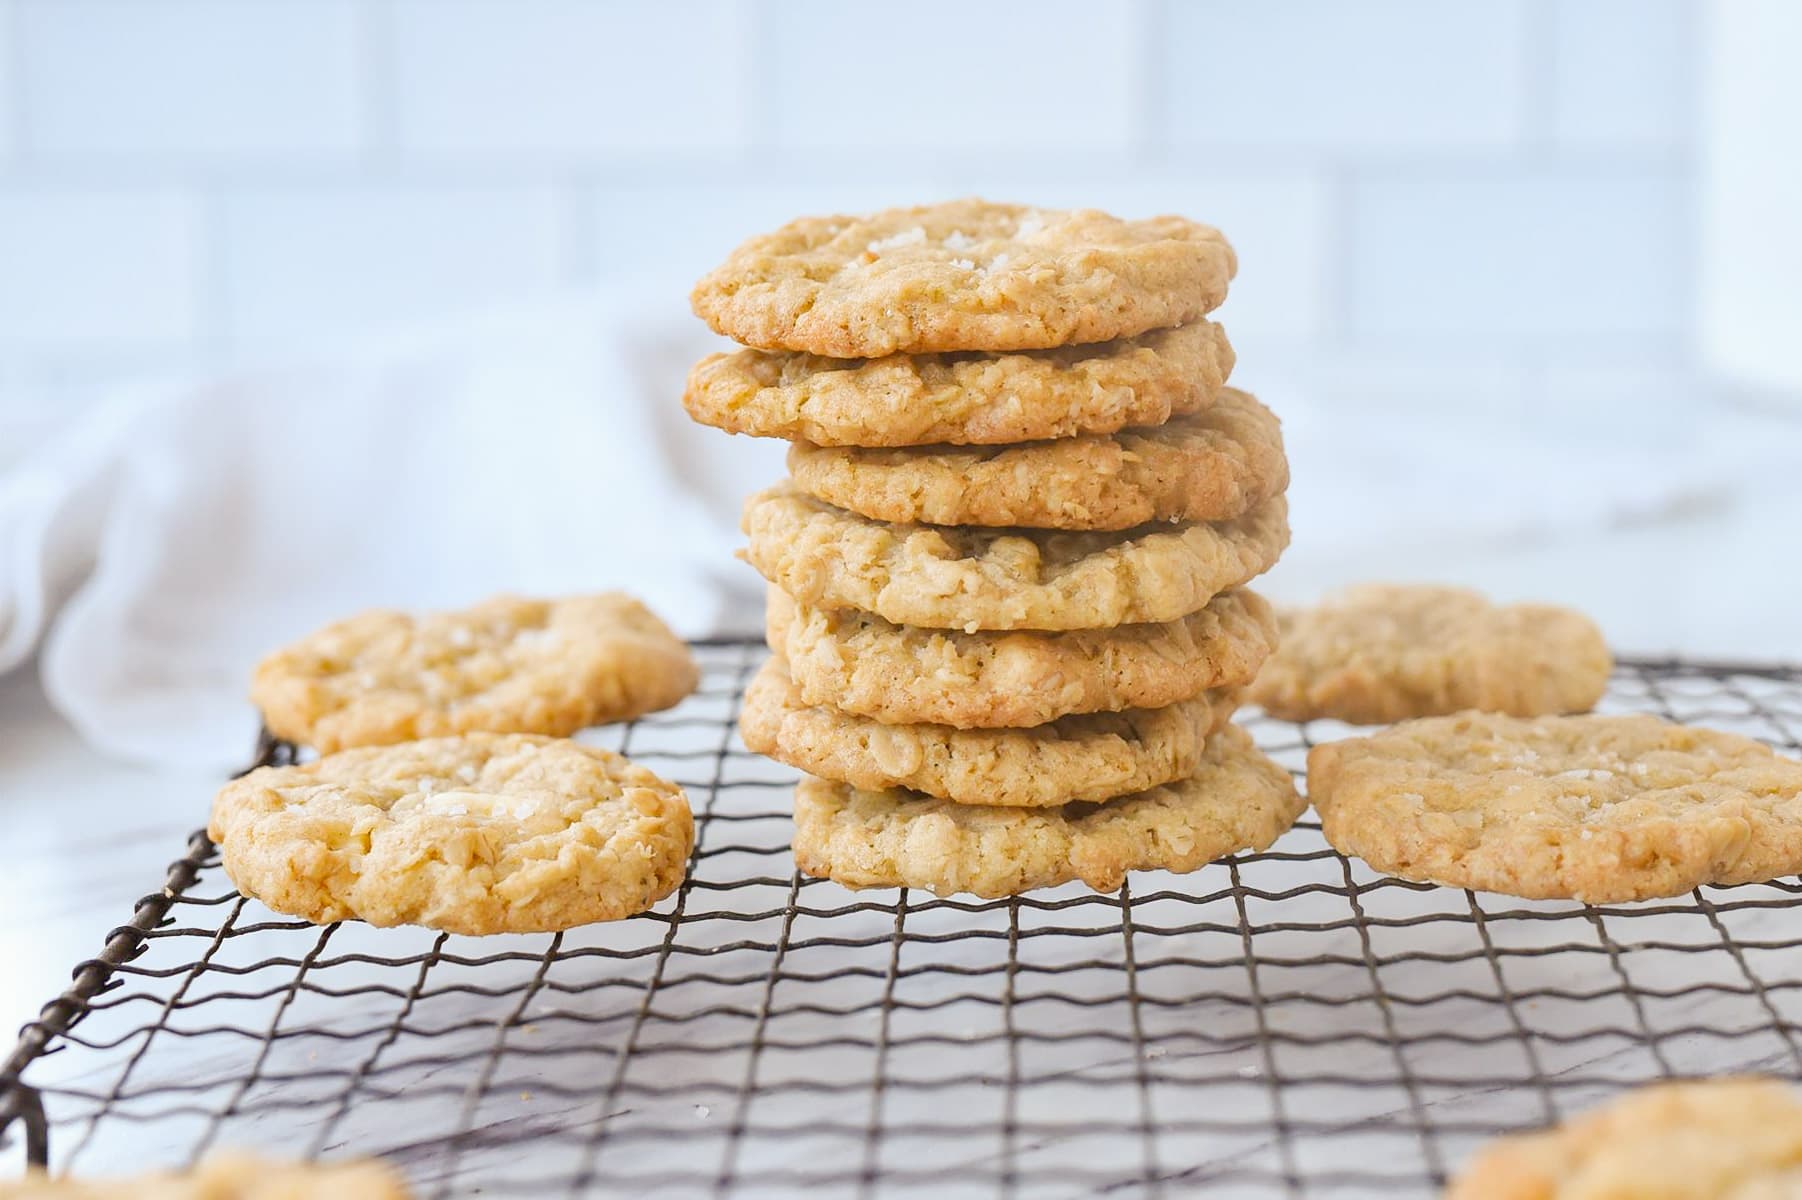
{"points": [[507, 665], [1214, 465], [974, 579], [1700, 1139], [963, 275], [1092, 756], [1591, 808], [1386, 652], [963, 399], [483, 833], [1237, 799]]}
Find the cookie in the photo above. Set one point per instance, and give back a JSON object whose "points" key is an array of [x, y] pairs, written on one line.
{"points": [[1089, 757], [484, 833], [963, 275], [974, 579], [899, 675], [962, 399], [1714, 1139], [1237, 799], [508, 665], [1386, 652], [1599, 809], [226, 1177], [1213, 466]]}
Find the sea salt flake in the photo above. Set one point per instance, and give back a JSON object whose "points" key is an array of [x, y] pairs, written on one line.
{"points": [[1030, 224], [965, 263], [957, 239], [907, 237], [996, 263]]}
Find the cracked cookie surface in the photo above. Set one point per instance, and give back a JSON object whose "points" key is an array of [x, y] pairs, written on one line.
{"points": [[483, 833], [507, 665], [1710, 1139], [1213, 466], [963, 275], [1387, 652], [1237, 799], [1089, 757], [987, 579], [962, 399], [1593, 808], [903, 675]]}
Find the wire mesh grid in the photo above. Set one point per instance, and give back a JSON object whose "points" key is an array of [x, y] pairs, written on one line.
{"points": [[1285, 1023]]}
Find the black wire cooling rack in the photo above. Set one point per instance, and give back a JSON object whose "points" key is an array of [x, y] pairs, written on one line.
{"points": [[1278, 1024]]}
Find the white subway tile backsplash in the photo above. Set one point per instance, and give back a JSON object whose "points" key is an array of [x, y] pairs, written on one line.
{"points": [[568, 77], [1621, 72], [1550, 256], [1375, 75], [1010, 75], [190, 77], [301, 263], [83, 268]]}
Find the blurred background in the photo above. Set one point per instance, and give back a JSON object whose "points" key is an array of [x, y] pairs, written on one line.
{"points": [[1519, 275]]}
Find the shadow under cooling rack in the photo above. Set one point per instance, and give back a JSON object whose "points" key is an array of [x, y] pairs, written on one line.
{"points": [[1279, 1024]]}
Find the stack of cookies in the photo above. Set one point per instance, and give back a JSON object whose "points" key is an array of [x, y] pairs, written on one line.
{"points": [[1007, 608]]}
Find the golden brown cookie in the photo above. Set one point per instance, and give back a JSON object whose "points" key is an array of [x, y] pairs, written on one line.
{"points": [[483, 833], [507, 665], [1599, 809], [1089, 757], [1386, 652], [963, 275], [1213, 466], [901, 675], [1715, 1139], [226, 1177], [975, 579], [962, 399], [1237, 799]]}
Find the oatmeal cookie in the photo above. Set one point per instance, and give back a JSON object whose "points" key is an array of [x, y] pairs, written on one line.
{"points": [[1089, 757], [963, 275], [901, 675], [1213, 466], [1237, 799], [963, 399], [976, 579], [225, 1177], [1598, 809], [1386, 652], [483, 833], [508, 665], [1713, 1139]]}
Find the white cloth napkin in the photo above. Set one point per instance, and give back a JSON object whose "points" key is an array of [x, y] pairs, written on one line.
{"points": [[159, 548]]}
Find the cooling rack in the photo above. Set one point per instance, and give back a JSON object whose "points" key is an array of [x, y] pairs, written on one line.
{"points": [[1278, 1024]]}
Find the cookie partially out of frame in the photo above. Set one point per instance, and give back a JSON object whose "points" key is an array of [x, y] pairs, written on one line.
{"points": [[1215, 465], [483, 833], [1386, 652], [1094, 756], [902, 675], [1592, 808], [507, 665], [1237, 799], [963, 399], [963, 275], [975, 579], [225, 1177], [1714, 1139]]}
